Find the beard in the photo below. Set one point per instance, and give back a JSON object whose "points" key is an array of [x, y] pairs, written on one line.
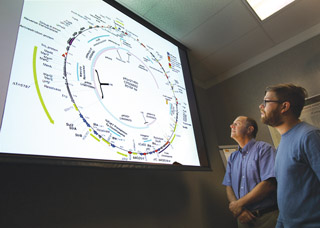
{"points": [[272, 119]]}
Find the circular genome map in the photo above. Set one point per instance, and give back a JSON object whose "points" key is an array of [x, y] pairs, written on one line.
{"points": [[93, 83], [131, 106]]}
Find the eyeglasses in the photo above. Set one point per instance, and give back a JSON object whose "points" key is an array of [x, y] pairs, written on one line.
{"points": [[264, 102]]}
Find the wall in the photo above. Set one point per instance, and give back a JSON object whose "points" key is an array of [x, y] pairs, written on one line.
{"points": [[241, 95]]}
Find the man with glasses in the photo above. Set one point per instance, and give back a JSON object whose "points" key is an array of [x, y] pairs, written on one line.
{"points": [[249, 179], [297, 165]]}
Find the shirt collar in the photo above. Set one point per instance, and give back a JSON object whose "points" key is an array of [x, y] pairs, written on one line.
{"points": [[247, 147]]}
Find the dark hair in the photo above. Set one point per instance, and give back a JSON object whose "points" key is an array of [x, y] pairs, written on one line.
{"points": [[253, 123], [295, 95]]}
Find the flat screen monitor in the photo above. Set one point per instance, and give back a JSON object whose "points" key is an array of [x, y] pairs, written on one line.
{"points": [[91, 83]]}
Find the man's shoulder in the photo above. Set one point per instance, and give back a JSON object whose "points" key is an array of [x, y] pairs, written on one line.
{"points": [[263, 148], [262, 144], [308, 127], [310, 133], [303, 127], [304, 130], [233, 155]]}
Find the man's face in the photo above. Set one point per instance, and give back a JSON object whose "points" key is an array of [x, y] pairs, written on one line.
{"points": [[239, 128], [271, 111]]}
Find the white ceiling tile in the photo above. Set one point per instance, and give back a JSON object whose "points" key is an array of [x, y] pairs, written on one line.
{"points": [[293, 20], [139, 7], [239, 51], [181, 17], [226, 26]]}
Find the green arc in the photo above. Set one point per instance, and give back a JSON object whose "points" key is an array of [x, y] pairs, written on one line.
{"points": [[37, 85]]}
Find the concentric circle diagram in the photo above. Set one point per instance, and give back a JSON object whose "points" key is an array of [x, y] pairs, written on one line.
{"points": [[120, 90], [98, 85]]}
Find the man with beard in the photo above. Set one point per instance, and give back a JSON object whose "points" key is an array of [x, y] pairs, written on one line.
{"points": [[249, 179], [297, 165]]}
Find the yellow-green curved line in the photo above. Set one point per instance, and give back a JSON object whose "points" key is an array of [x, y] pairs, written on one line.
{"points": [[122, 154], [172, 139], [95, 137], [37, 85], [106, 141]]}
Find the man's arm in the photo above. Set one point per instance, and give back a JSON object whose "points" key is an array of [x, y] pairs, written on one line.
{"points": [[230, 194], [232, 198], [258, 193], [313, 148], [244, 215]]}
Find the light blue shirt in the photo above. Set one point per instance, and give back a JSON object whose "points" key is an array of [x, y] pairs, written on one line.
{"points": [[298, 174], [247, 167]]}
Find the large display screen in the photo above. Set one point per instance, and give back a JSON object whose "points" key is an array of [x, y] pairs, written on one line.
{"points": [[88, 83]]}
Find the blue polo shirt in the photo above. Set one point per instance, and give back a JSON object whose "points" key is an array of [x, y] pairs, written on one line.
{"points": [[298, 174], [249, 166]]}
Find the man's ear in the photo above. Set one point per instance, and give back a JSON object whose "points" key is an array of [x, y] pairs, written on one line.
{"points": [[285, 106], [250, 130]]}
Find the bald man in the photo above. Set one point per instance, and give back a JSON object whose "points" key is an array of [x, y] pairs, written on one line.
{"points": [[250, 179]]}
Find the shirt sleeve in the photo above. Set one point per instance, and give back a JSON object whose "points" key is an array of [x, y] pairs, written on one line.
{"points": [[227, 176], [312, 150], [266, 161]]}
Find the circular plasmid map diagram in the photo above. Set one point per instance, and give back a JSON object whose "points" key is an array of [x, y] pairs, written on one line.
{"points": [[114, 90], [100, 86]]}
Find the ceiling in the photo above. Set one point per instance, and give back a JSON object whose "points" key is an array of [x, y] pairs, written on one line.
{"points": [[225, 37]]}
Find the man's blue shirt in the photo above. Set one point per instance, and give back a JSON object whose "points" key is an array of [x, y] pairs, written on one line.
{"points": [[298, 174], [247, 167]]}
